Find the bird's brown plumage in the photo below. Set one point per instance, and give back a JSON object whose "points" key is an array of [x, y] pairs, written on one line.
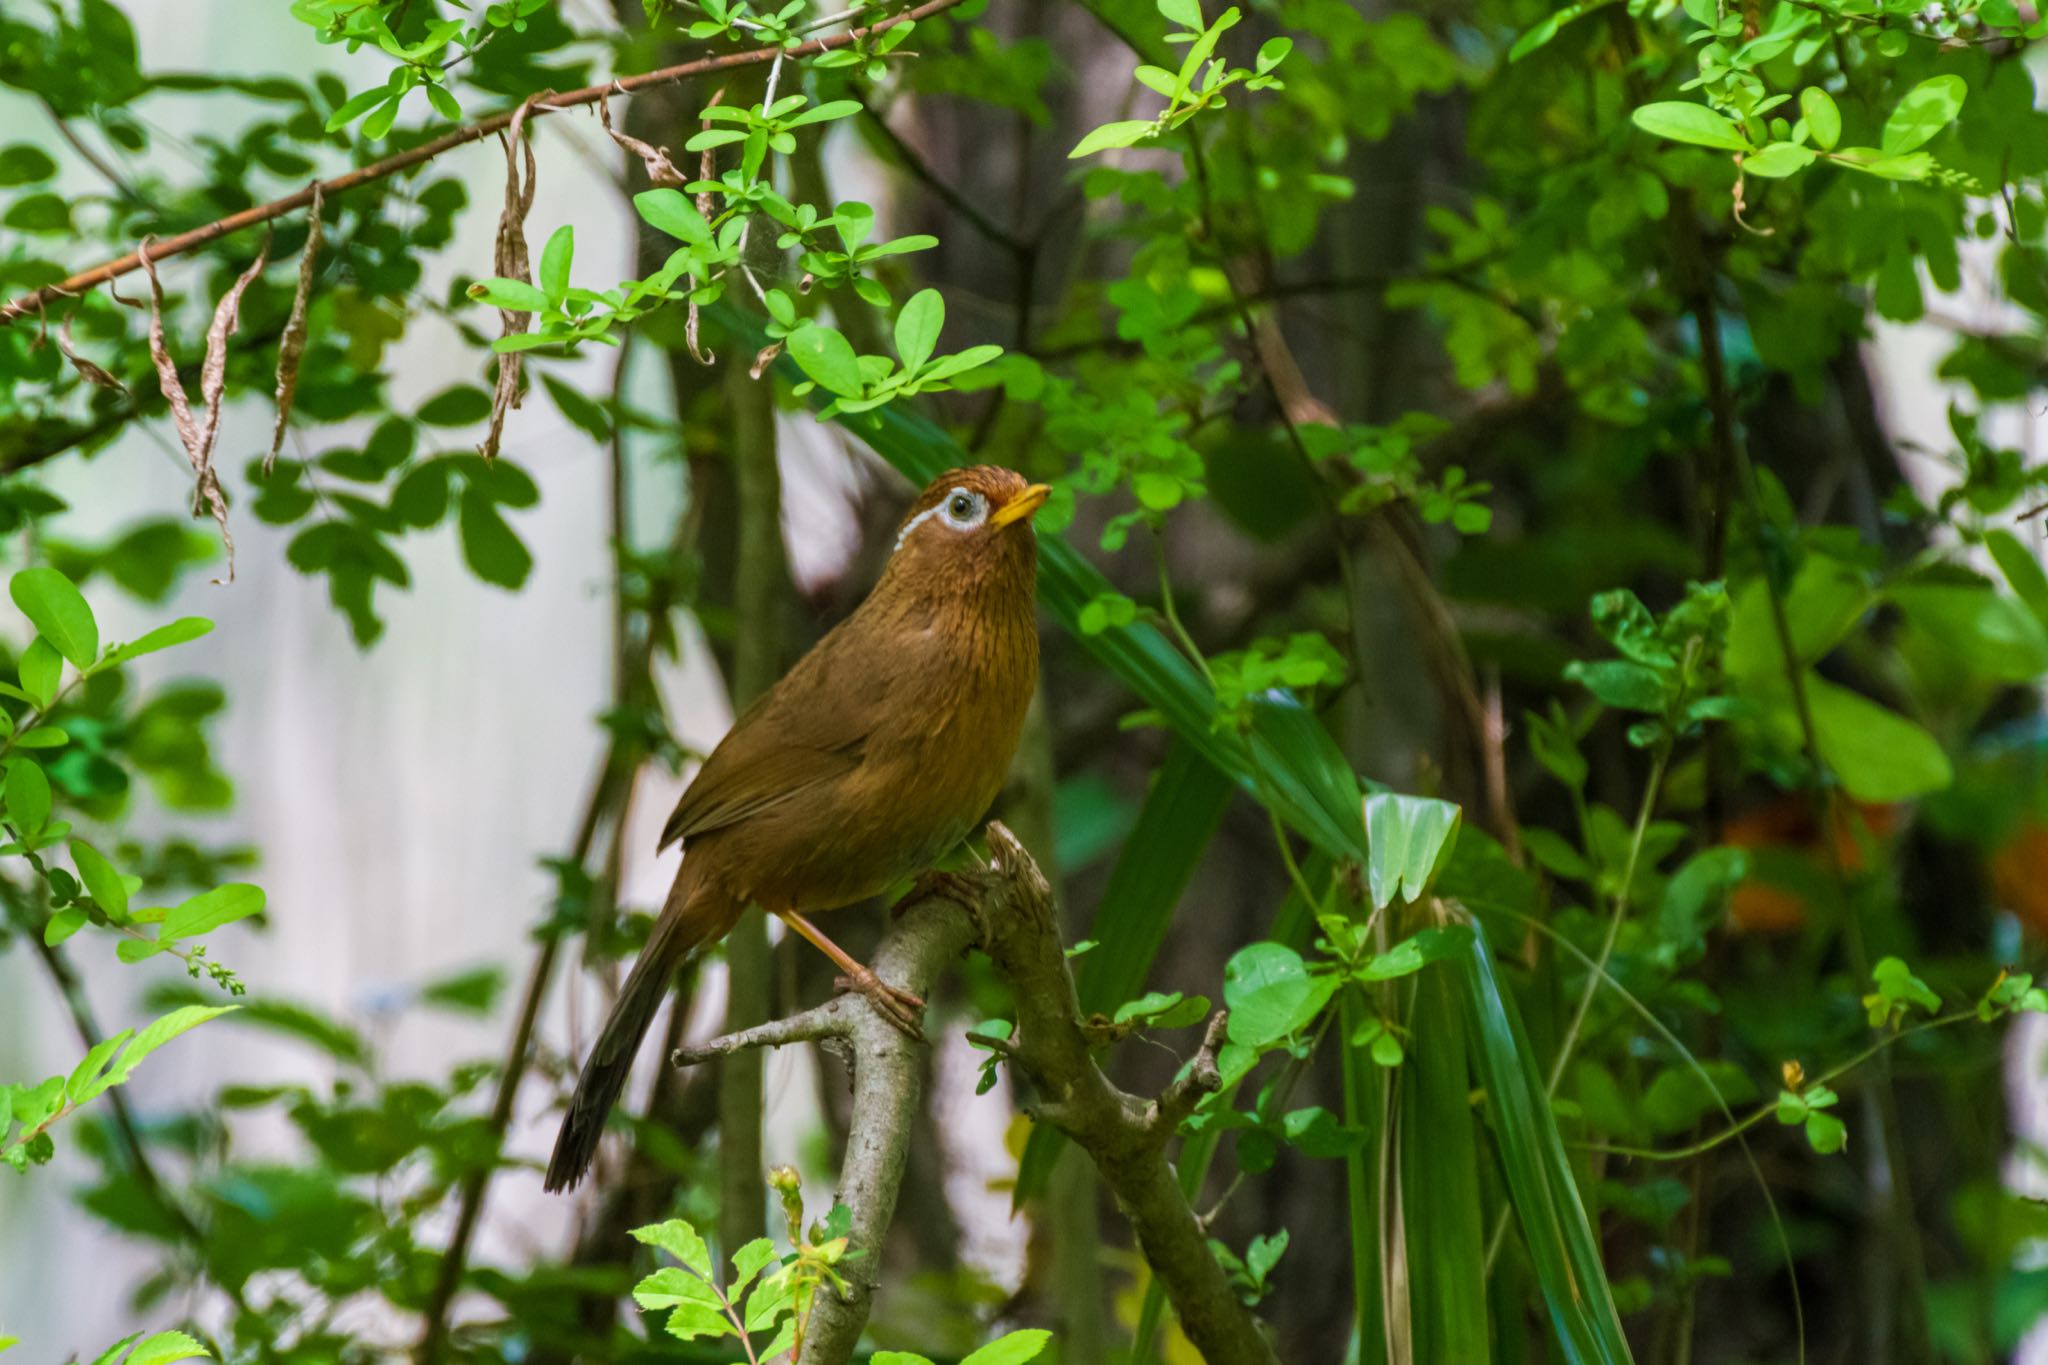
{"points": [[866, 763]]}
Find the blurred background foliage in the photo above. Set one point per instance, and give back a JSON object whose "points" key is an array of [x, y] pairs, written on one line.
{"points": [[1612, 425]]}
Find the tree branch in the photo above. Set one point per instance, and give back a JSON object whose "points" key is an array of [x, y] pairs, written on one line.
{"points": [[1123, 1135], [888, 1086], [427, 151]]}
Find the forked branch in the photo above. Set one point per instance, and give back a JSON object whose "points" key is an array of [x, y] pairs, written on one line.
{"points": [[1126, 1136]]}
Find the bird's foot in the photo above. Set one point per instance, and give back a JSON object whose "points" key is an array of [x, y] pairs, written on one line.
{"points": [[962, 888], [893, 1003]]}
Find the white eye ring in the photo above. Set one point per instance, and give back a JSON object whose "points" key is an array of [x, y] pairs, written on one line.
{"points": [[964, 510]]}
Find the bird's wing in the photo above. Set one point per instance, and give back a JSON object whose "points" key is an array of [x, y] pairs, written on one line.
{"points": [[810, 728]]}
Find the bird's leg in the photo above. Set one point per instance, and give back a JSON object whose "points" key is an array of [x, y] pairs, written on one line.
{"points": [[895, 1004]]}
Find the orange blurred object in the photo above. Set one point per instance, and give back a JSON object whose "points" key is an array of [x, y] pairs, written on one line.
{"points": [[2019, 875], [1788, 822]]}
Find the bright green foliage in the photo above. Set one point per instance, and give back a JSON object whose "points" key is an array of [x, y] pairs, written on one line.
{"points": [[160, 1348], [1809, 1108], [27, 1112], [1898, 994]]}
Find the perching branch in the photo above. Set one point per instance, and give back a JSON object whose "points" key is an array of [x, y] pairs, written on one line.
{"points": [[888, 1083], [1124, 1135], [427, 151]]}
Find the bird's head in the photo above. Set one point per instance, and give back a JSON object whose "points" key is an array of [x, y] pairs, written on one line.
{"points": [[970, 525]]}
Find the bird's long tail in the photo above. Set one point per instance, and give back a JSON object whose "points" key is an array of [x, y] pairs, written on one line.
{"points": [[693, 915]]}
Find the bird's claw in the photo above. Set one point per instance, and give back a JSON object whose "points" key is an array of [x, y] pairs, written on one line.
{"points": [[898, 1006]]}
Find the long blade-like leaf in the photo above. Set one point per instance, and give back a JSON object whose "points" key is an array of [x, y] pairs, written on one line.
{"points": [[1563, 1251], [1446, 1250], [1365, 1108]]}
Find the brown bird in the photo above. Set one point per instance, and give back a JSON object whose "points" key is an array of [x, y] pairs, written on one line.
{"points": [[869, 761]]}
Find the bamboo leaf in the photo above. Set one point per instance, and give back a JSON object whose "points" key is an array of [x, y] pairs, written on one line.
{"points": [[1439, 1164], [1563, 1252]]}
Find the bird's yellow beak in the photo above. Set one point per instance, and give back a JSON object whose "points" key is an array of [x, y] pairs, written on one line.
{"points": [[1021, 506]]}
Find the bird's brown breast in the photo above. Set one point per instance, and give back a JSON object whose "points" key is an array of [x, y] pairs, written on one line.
{"points": [[875, 755]]}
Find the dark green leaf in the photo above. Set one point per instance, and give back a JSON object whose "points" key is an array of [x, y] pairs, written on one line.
{"points": [[492, 549]]}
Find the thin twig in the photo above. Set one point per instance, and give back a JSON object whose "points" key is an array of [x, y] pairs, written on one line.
{"points": [[427, 151], [94, 159], [953, 199]]}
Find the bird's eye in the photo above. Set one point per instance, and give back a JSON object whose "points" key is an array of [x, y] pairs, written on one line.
{"points": [[964, 510]]}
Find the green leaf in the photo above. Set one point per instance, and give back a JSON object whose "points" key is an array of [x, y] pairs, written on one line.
{"points": [[378, 124], [585, 412], [1826, 1133], [28, 796], [23, 164], [679, 1240], [1879, 755], [1410, 839], [672, 212], [1012, 1348], [1619, 683], [1119, 134], [41, 669], [690, 1321], [1539, 34], [1697, 895], [515, 296], [1186, 13], [209, 910], [43, 737], [917, 328], [356, 107], [1270, 993], [165, 1348], [828, 358], [1778, 160], [1417, 951], [1823, 119], [1910, 166], [748, 1262], [1440, 1180], [184, 630], [101, 879], [490, 546], [2023, 572], [39, 213], [1683, 121], [149, 1040], [113, 1353], [1923, 112], [62, 926], [1564, 1255], [455, 406], [88, 1070], [554, 262], [59, 613]]}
